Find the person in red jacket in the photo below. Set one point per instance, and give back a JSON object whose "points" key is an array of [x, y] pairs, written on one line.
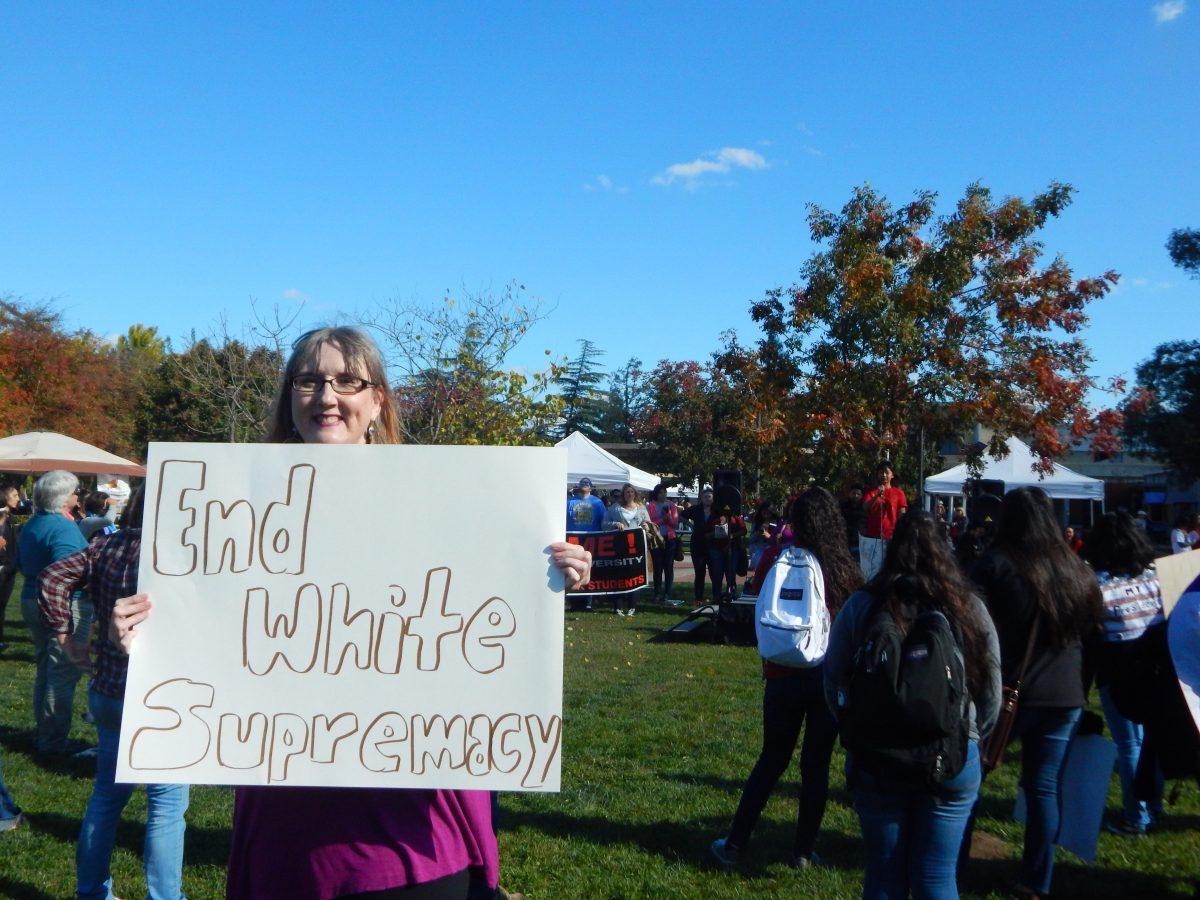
{"points": [[883, 506]]}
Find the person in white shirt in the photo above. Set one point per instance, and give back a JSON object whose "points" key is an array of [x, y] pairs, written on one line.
{"points": [[1183, 536], [630, 512]]}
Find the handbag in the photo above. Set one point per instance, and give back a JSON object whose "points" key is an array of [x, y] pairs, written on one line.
{"points": [[992, 753], [654, 537], [678, 549]]}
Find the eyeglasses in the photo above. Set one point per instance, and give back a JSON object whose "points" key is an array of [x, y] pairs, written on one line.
{"points": [[342, 384]]}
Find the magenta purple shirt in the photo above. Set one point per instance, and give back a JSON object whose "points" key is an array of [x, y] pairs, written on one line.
{"points": [[322, 843]]}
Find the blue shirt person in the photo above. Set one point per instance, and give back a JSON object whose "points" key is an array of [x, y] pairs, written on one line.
{"points": [[585, 512]]}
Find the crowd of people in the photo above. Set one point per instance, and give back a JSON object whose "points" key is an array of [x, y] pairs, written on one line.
{"points": [[1033, 608], [990, 608]]}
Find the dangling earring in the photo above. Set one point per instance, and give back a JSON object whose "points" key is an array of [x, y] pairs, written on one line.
{"points": [[371, 432]]}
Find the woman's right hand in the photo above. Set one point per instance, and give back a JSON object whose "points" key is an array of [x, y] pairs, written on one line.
{"points": [[127, 614]]}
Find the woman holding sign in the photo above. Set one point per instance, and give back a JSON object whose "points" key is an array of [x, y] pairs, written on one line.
{"points": [[325, 843]]}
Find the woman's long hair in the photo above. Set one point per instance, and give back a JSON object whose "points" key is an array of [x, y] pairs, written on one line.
{"points": [[818, 527], [919, 573], [1117, 546], [762, 514], [1062, 585], [362, 358], [131, 515]]}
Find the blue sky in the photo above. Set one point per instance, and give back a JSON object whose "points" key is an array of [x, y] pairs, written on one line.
{"points": [[642, 167]]}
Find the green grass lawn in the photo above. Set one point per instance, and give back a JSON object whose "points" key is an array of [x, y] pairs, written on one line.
{"points": [[658, 739]]}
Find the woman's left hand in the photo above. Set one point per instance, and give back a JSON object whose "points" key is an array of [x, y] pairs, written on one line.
{"points": [[573, 561]]}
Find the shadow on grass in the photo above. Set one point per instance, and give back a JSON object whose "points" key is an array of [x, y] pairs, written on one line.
{"points": [[20, 740], [786, 786], [984, 876], [19, 890], [202, 846], [687, 842], [1177, 822]]}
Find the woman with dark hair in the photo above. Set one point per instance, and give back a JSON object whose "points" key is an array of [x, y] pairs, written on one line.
{"points": [[912, 830], [1044, 597], [761, 530], [792, 695], [1123, 561], [665, 514], [1182, 539], [353, 842]]}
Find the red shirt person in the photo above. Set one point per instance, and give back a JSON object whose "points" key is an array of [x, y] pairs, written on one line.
{"points": [[883, 506]]}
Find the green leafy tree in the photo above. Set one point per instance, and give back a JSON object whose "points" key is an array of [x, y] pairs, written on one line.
{"points": [[579, 386], [52, 379], [449, 366], [690, 420], [903, 320], [1162, 415], [1184, 247], [622, 404], [215, 390]]}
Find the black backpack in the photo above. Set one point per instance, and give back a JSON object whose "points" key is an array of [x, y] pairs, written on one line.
{"points": [[904, 715]]}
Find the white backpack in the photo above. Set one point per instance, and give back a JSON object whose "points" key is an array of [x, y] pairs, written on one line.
{"points": [[790, 616]]}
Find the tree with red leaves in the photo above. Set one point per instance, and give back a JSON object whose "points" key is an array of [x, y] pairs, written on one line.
{"points": [[903, 320], [55, 380]]}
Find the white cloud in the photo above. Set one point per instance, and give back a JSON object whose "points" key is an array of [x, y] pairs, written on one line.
{"points": [[1169, 10], [605, 183], [724, 160], [297, 295]]}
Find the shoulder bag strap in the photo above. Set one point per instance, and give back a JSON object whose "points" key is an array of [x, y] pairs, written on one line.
{"points": [[1033, 633]]}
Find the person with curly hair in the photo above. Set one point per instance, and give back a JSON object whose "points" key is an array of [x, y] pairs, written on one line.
{"points": [[791, 696], [913, 830]]}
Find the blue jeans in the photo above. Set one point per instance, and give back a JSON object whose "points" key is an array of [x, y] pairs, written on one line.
{"points": [[912, 835], [8, 806], [55, 675], [1127, 736], [162, 854], [1045, 733]]}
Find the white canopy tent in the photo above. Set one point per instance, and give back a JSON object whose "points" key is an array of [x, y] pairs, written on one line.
{"points": [[585, 459], [42, 451], [1016, 470]]}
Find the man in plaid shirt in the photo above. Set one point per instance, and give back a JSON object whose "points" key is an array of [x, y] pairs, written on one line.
{"points": [[107, 569]]}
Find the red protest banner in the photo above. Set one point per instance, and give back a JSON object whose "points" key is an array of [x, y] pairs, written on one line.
{"points": [[618, 560]]}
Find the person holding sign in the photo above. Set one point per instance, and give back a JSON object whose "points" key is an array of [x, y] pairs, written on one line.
{"points": [[325, 843], [628, 513], [108, 569]]}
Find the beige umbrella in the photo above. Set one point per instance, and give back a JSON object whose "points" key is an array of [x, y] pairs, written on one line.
{"points": [[41, 451]]}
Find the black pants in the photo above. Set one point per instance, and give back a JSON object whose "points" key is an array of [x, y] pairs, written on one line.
{"points": [[8, 577], [459, 886], [787, 702], [664, 567]]}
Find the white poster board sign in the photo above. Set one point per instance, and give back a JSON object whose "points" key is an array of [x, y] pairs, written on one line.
{"points": [[379, 616], [1175, 575]]}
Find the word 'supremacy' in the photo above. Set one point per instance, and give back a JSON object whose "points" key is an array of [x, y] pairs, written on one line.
{"points": [[329, 616]]}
